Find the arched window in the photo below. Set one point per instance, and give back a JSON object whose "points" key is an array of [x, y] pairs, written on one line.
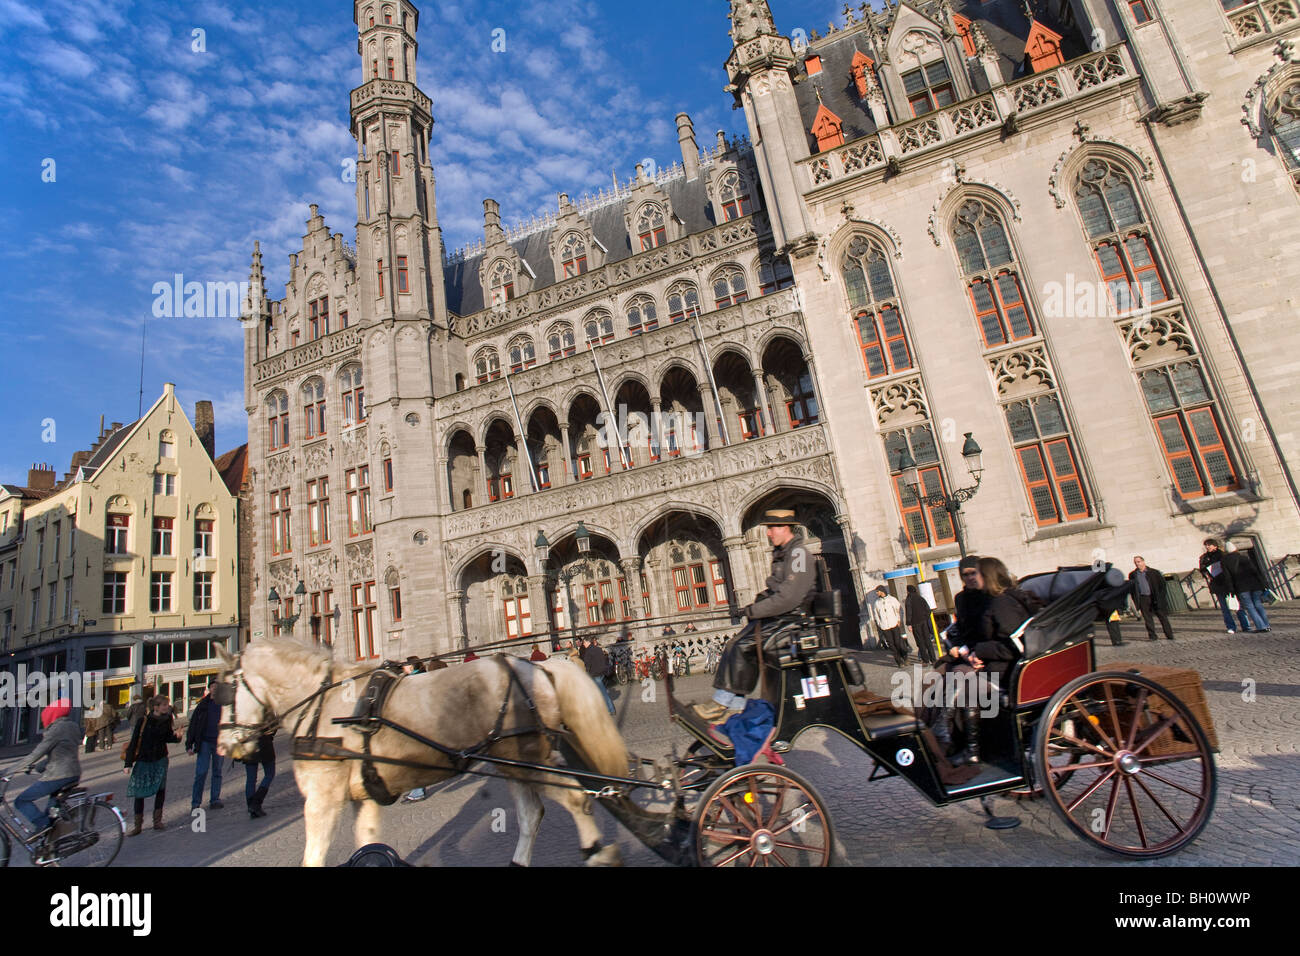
{"points": [[354, 395], [370, 15], [992, 275], [927, 525], [928, 88], [774, 275], [650, 228], [1121, 239], [729, 286], [599, 327], [683, 302], [874, 308], [734, 194], [560, 341], [503, 283], [313, 400], [167, 445], [487, 365], [1284, 124], [641, 315], [573, 255], [522, 354], [277, 406]]}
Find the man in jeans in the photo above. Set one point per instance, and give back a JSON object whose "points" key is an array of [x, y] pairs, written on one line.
{"points": [[1218, 578], [202, 736], [1249, 587], [1149, 594]]}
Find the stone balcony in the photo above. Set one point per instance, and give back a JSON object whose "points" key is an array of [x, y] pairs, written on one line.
{"points": [[1262, 20], [1069, 83], [384, 89], [720, 479], [336, 343], [752, 317]]}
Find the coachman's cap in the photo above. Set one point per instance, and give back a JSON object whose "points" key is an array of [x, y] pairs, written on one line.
{"points": [[778, 516]]}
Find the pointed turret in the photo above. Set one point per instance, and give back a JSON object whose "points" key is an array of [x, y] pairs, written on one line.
{"points": [[749, 19]]}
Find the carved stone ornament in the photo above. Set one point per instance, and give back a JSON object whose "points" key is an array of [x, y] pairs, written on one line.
{"points": [[317, 457], [933, 228], [1021, 372], [899, 403], [1252, 107], [1157, 338], [279, 470], [360, 559], [322, 570], [1061, 190], [848, 215], [316, 287]]}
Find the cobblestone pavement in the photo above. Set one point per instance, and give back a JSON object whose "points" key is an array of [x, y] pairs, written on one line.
{"points": [[1256, 819]]}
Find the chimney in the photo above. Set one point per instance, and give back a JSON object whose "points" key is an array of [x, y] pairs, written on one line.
{"points": [[40, 477], [492, 233], [205, 428], [690, 151]]}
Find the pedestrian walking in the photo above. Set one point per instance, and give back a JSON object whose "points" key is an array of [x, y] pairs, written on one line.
{"points": [[145, 759], [1219, 580], [201, 737], [1149, 596], [263, 757], [918, 619], [886, 612], [1249, 587], [596, 661]]}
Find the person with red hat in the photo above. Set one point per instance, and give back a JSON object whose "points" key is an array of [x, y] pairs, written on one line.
{"points": [[61, 767]]}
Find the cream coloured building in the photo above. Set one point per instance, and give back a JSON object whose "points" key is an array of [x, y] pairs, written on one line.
{"points": [[127, 568], [1037, 223]]}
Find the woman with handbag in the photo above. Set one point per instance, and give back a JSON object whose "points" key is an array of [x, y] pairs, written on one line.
{"points": [[145, 759]]}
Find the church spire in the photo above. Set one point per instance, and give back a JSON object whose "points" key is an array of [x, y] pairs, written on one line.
{"points": [[255, 302], [749, 19]]}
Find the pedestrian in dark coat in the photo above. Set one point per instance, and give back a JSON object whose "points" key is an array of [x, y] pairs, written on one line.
{"points": [[1219, 580], [1149, 595], [1009, 607], [201, 737], [145, 759], [1249, 586], [918, 619]]}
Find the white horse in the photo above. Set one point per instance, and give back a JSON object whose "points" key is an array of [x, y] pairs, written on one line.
{"points": [[457, 707]]}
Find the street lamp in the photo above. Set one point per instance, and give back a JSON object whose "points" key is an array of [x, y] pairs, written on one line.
{"points": [[542, 549], [286, 623], [583, 537], [973, 455]]}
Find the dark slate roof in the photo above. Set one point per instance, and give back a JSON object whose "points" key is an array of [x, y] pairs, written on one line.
{"points": [[690, 202], [233, 468], [109, 445], [21, 491], [1002, 21]]}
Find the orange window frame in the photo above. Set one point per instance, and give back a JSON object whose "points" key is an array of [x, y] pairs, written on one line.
{"points": [[983, 316], [899, 339], [1149, 272], [1062, 479], [1204, 449], [873, 348]]}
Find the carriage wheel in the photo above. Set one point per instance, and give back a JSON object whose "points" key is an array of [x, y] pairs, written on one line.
{"points": [[1125, 764], [761, 815]]}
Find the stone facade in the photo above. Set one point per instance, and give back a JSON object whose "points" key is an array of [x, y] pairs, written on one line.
{"points": [[661, 363]]}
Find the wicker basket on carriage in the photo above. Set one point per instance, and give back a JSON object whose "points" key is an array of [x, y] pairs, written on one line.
{"points": [[1183, 683]]}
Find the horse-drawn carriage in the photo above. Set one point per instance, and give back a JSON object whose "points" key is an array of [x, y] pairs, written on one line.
{"points": [[1122, 760]]}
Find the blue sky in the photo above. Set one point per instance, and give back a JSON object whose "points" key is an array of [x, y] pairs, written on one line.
{"points": [[164, 159]]}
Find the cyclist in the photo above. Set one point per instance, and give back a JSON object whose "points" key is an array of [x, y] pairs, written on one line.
{"points": [[61, 768]]}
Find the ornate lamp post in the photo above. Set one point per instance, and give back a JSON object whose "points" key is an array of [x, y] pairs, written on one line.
{"points": [[286, 623], [542, 549], [951, 503]]}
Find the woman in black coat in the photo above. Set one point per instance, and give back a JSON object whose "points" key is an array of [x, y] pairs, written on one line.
{"points": [[1009, 607]]}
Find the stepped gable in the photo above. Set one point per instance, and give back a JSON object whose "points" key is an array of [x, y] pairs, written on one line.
{"points": [[690, 201]]}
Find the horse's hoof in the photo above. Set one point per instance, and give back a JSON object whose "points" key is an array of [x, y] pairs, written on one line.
{"points": [[606, 856]]}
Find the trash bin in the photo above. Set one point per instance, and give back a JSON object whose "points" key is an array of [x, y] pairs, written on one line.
{"points": [[1175, 597]]}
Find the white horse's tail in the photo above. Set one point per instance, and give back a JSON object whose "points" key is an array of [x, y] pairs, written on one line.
{"points": [[582, 706]]}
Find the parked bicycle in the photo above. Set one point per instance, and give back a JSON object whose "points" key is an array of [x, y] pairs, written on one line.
{"points": [[712, 653], [87, 829], [681, 661], [624, 666]]}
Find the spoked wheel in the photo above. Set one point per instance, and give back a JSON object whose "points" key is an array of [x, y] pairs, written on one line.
{"points": [[761, 815], [622, 672], [97, 839], [1125, 764]]}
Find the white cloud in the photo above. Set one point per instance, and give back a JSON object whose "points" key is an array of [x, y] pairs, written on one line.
{"points": [[62, 59]]}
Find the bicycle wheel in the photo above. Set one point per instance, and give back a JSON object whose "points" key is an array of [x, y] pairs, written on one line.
{"points": [[97, 838], [656, 671]]}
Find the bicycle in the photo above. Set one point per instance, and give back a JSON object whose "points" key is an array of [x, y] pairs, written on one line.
{"points": [[622, 664], [87, 830], [681, 662], [712, 655]]}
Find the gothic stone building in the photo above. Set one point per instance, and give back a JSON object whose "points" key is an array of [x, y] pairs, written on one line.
{"points": [[1039, 223]]}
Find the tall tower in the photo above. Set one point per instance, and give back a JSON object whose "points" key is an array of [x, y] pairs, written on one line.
{"points": [[761, 68], [399, 244]]}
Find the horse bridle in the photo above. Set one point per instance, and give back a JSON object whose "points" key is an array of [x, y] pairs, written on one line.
{"points": [[224, 693]]}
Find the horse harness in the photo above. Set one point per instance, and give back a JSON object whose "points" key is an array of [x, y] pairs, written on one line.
{"points": [[368, 718]]}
